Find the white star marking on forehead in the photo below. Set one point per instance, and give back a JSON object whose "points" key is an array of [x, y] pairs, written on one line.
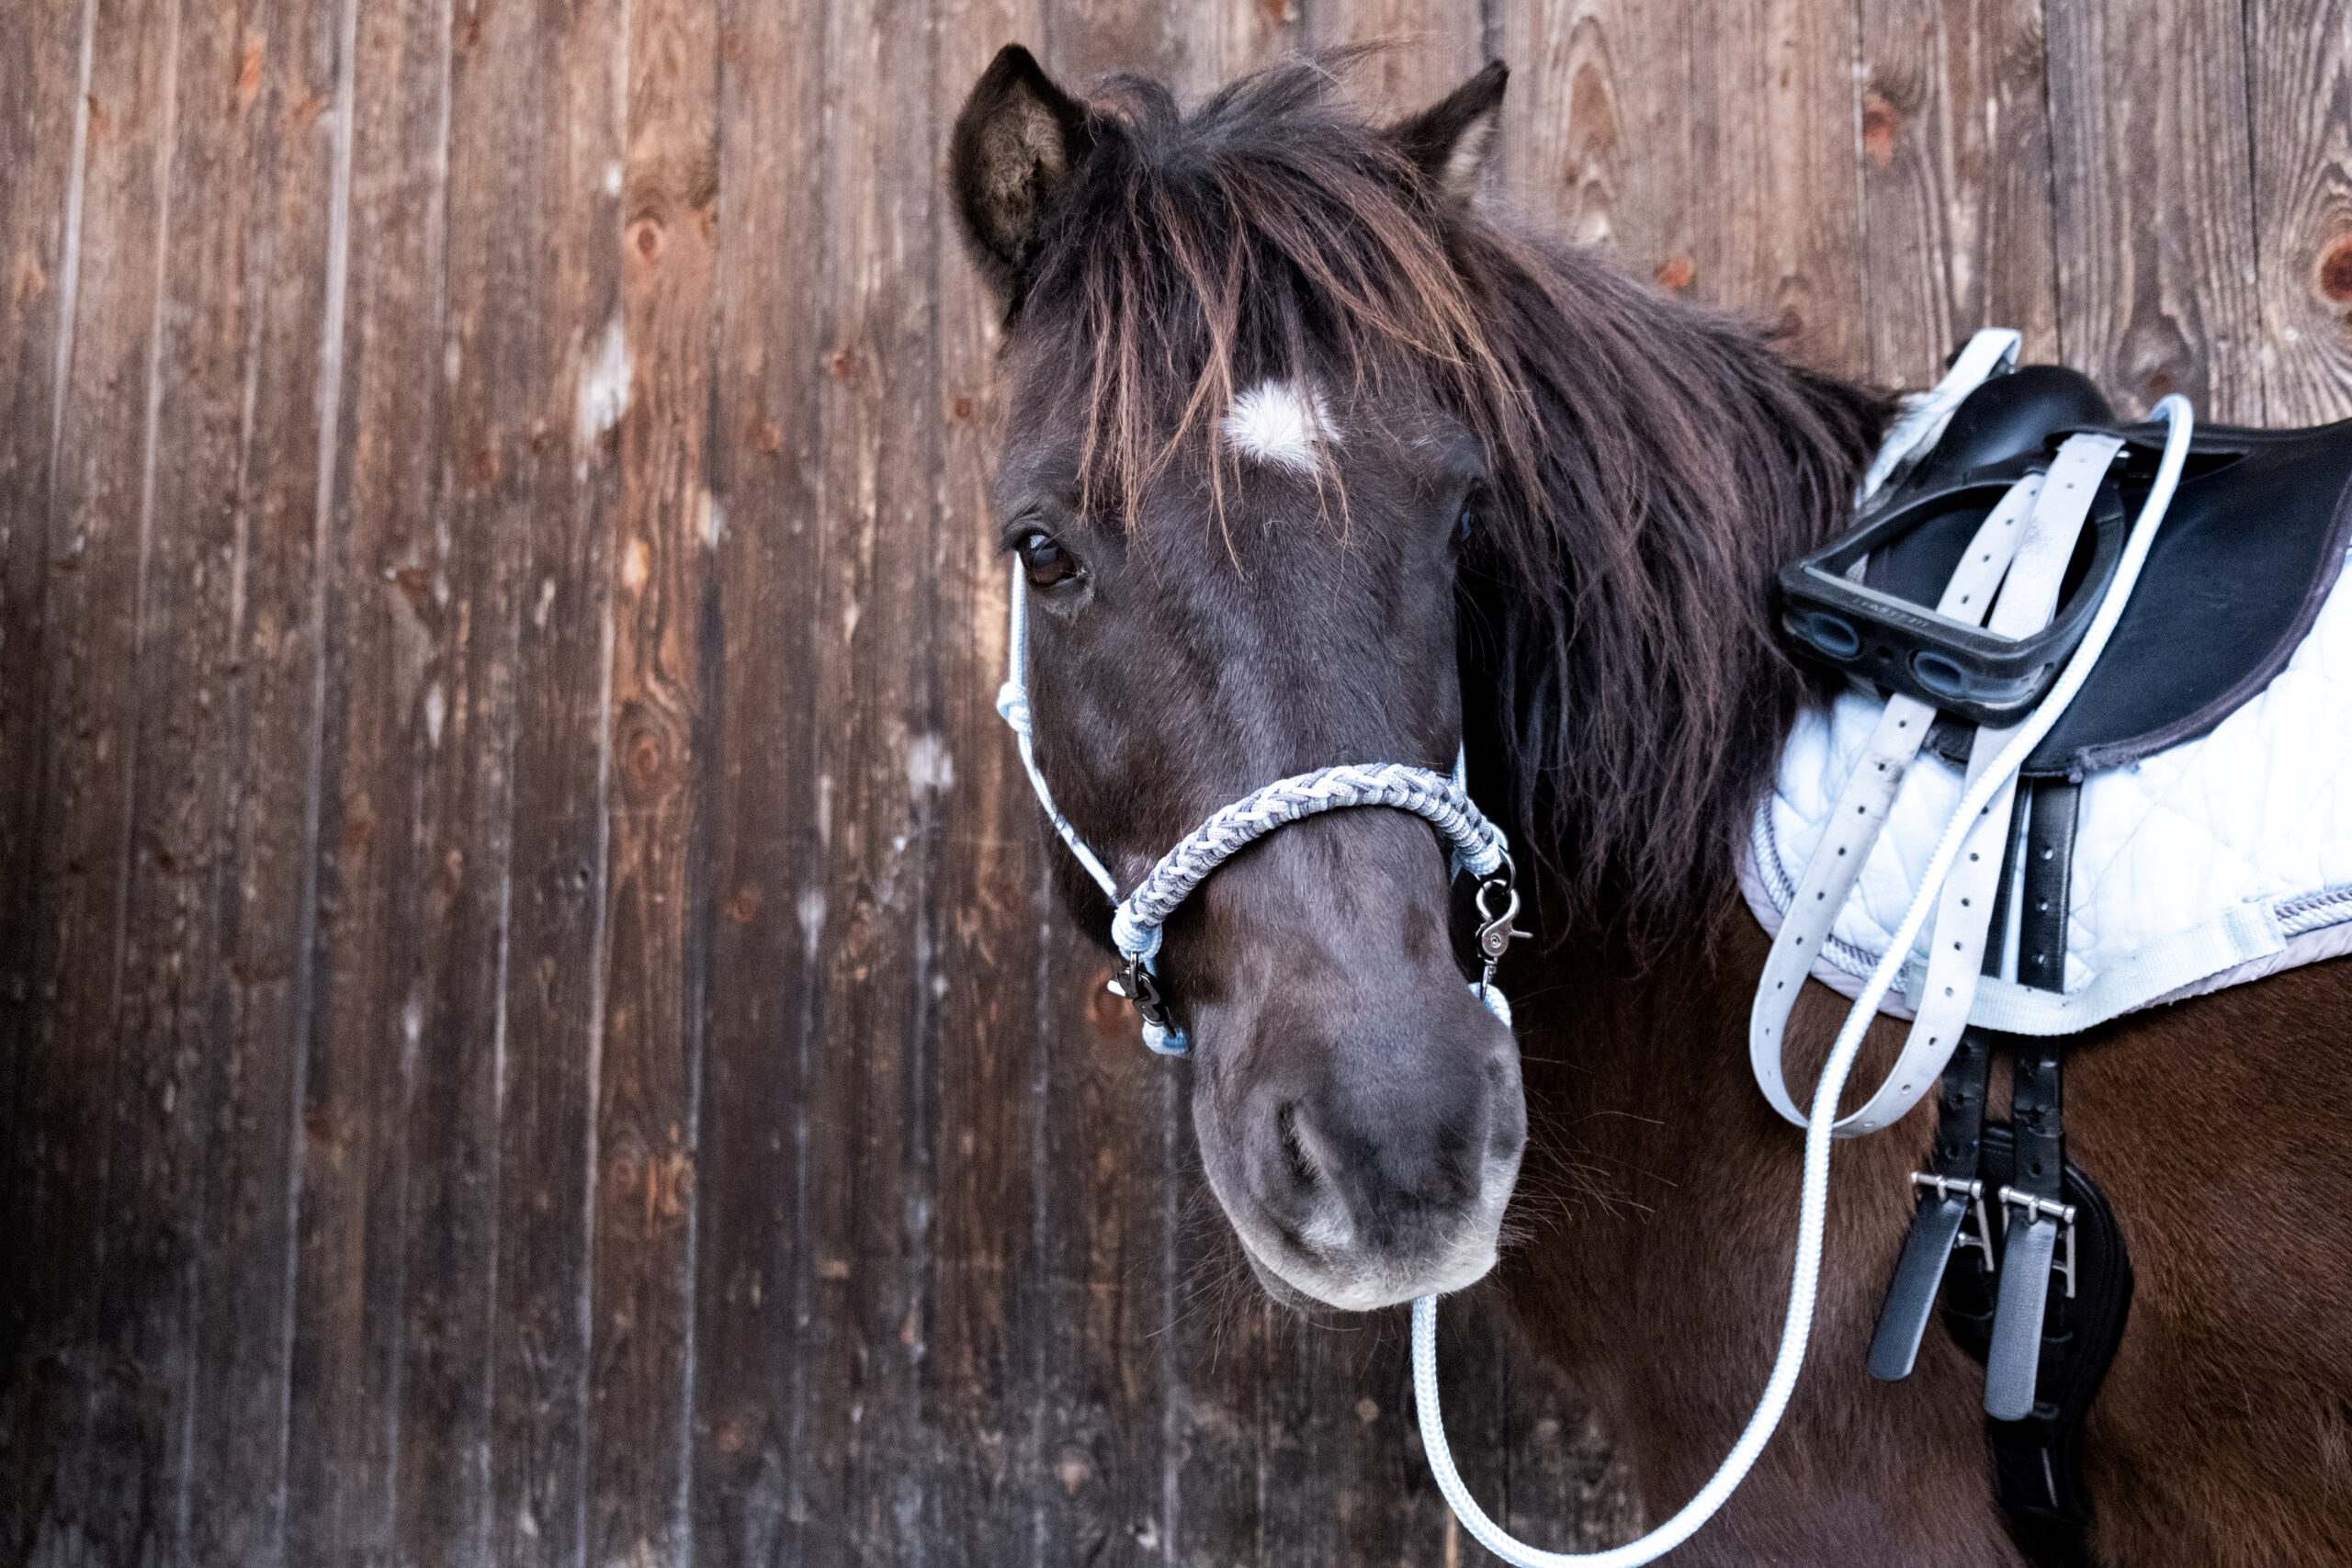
{"points": [[1285, 423]]}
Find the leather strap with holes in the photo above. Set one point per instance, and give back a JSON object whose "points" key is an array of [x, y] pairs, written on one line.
{"points": [[2029, 539]]}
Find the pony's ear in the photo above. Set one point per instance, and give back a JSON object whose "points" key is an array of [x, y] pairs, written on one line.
{"points": [[1448, 142], [1018, 143]]}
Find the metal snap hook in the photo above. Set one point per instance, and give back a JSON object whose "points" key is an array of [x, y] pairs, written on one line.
{"points": [[1497, 928]]}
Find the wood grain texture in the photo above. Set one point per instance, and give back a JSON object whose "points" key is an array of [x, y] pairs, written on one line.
{"points": [[874, 1022], [1710, 143], [539, 379], [2150, 154], [273, 208], [651, 1062], [534, 1026], [769, 811], [374, 490], [106, 1277], [43, 141], [2299, 112], [1956, 185], [395, 650]]}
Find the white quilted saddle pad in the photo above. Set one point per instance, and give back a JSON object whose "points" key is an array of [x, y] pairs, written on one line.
{"points": [[2225, 859]]}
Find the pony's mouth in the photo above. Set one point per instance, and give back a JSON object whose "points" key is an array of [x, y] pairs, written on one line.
{"points": [[1308, 1279]]}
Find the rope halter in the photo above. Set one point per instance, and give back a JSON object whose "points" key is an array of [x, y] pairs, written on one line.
{"points": [[1479, 847]]}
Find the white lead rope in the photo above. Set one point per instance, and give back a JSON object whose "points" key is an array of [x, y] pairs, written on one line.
{"points": [[1812, 1214]]}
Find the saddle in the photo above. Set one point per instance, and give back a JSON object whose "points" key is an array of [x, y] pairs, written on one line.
{"points": [[2250, 548], [2178, 827]]}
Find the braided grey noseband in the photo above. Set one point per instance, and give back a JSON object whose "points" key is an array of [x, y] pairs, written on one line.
{"points": [[1479, 847]]}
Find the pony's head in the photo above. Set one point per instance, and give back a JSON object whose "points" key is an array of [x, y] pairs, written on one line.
{"points": [[1278, 402]]}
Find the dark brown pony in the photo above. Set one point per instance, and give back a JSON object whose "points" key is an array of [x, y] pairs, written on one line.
{"points": [[1310, 461]]}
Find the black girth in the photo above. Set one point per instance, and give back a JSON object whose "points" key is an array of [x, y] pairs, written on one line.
{"points": [[2016, 1239]]}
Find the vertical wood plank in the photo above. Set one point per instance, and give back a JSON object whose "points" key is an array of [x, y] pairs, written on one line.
{"points": [[2300, 116], [2149, 148], [537, 330], [266, 183], [1711, 144], [874, 1202], [194, 598], [398, 737], [42, 138], [450, 907], [102, 1266], [992, 1332], [1956, 181], [770, 816], [651, 1064]]}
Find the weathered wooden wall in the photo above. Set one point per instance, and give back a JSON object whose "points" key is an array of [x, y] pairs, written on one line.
{"points": [[533, 1028]]}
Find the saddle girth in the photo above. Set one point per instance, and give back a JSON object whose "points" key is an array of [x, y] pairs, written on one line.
{"points": [[2039, 1297]]}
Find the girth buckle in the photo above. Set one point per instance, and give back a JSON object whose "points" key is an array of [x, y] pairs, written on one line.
{"points": [[1950, 1187], [2042, 1208]]}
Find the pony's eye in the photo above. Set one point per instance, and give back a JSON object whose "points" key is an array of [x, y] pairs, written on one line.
{"points": [[1046, 562], [1473, 507]]}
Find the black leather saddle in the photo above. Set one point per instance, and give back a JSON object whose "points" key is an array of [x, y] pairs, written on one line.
{"points": [[2248, 553]]}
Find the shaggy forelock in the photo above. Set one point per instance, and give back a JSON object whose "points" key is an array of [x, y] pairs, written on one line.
{"points": [[1272, 234], [1650, 463]]}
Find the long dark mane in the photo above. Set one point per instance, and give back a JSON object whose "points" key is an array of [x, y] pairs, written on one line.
{"points": [[1653, 462]]}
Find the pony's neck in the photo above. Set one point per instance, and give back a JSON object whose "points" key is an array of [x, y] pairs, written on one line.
{"points": [[1624, 625]]}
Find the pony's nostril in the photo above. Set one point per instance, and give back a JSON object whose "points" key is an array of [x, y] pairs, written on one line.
{"points": [[1505, 1110], [1295, 1158]]}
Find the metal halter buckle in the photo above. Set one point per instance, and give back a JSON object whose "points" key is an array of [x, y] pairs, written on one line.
{"points": [[2043, 1209], [1137, 985], [1952, 1187]]}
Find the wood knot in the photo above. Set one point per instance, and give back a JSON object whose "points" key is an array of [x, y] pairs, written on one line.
{"points": [[842, 365], [1882, 129], [2335, 271], [32, 282], [647, 762], [1677, 273], [960, 409], [744, 907], [248, 86], [415, 585], [645, 239]]}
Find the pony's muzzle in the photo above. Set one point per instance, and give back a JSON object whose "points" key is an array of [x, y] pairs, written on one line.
{"points": [[1378, 1166]]}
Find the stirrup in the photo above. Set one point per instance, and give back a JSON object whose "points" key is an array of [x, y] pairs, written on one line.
{"points": [[1962, 668]]}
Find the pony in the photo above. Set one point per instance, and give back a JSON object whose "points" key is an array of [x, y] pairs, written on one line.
{"points": [[1308, 456]]}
